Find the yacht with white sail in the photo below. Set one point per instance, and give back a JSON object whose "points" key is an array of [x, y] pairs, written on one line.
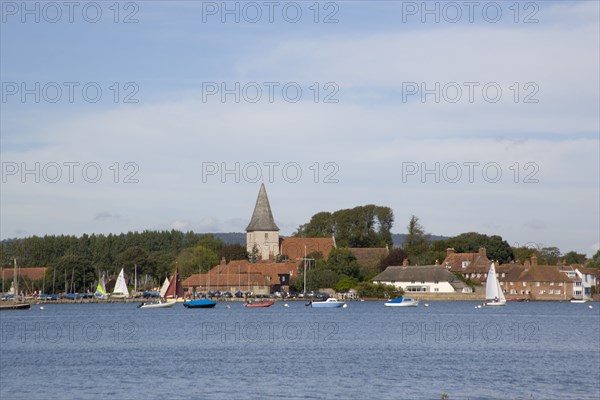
{"points": [[494, 296]]}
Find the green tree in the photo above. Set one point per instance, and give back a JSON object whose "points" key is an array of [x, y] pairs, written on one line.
{"points": [[470, 242], [343, 262], [549, 255], [73, 274], [594, 262], [395, 257], [363, 226], [233, 252], [378, 290], [253, 255], [572, 257], [416, 242], [345, 283], [134, 259], [194, 259]]}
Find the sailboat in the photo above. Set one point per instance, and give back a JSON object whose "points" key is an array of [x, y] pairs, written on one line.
{"points": [[494, 296], [101, 289], [16, 305], [174, 289], [120, 291]]}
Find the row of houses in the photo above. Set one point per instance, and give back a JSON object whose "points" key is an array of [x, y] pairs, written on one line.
{"points": [[518, 281]]}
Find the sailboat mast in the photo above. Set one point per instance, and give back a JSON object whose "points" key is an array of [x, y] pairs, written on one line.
{"points": [[304, 270], [16, 280], [135, 278]]}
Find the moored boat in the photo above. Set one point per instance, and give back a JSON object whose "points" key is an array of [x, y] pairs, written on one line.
{"points": [[329, 303], [402, 302], [261, 304], [200, 303], [494, 296], [159, 304], [18, 306], [578, 301]]}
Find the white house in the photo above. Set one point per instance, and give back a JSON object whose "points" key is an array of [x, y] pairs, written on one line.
{"points": [[427, 278], [587, 276]]}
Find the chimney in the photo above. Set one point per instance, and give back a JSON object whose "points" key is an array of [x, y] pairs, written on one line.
{"points": [[482, 252], [449, 251], [223, 261], [533, 259], [405, 262]]}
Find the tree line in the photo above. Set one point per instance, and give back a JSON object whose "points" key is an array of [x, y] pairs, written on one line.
{"points": [[75, 263]]}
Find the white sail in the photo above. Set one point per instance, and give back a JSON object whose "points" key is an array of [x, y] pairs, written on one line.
{"points": [[164, 287], [493, 291], [121, 287], [491, 285], [501, 297]]}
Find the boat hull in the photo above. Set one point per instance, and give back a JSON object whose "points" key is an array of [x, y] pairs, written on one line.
{"points": [[15, 307], [494, 303], [158, 305], [329, 303], [403, 304], [258, 305], [204, 303]]}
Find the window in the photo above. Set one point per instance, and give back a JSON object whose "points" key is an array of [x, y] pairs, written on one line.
{"points": [[503, 275], [551, 283], [560, 283], [266, 235], [542, 291], [537, 284], [512, 284], [422, 282], [436, 290], [557, 291], [465, 264], [524, 284], [436, 282]]}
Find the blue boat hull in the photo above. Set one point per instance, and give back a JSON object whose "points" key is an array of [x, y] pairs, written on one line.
{"points": [[202, 303]]}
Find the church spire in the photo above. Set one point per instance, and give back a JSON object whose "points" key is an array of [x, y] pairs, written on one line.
{"points": [[262, 217]]}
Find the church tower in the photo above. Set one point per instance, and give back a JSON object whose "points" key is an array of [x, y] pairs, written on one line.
{"points": [[262, 230]]}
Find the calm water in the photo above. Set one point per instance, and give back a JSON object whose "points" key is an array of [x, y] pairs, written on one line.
{"points": [[523, 350]]}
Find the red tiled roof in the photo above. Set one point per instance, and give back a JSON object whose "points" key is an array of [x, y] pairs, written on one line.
{"points": [[35, 273], [476, 262], [239, 271], [294, 247]]}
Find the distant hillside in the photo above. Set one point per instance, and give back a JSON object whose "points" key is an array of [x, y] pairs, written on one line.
{"points": [[240, 238], [232, 237], [398, 238]]}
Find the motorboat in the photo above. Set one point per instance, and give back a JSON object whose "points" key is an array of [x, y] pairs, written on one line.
{"points": [[159, 304], [402, 302], [329, 303]]}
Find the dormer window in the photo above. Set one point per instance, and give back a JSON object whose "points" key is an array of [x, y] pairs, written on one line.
{"points": [[465, 264]]}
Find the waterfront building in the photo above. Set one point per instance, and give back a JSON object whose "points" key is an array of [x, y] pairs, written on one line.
{"points": [[422, 279]]}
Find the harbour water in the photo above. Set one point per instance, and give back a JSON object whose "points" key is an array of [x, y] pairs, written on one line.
{"points": [[520, 351]]}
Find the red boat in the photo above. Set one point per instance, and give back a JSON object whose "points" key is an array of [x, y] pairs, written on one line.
{"points": [[261, 304]]}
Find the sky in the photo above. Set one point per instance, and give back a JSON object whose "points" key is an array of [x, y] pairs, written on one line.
{"points": [[144, 115]]}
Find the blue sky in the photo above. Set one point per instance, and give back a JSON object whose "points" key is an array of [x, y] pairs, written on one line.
{"points": [[518, 96]]}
